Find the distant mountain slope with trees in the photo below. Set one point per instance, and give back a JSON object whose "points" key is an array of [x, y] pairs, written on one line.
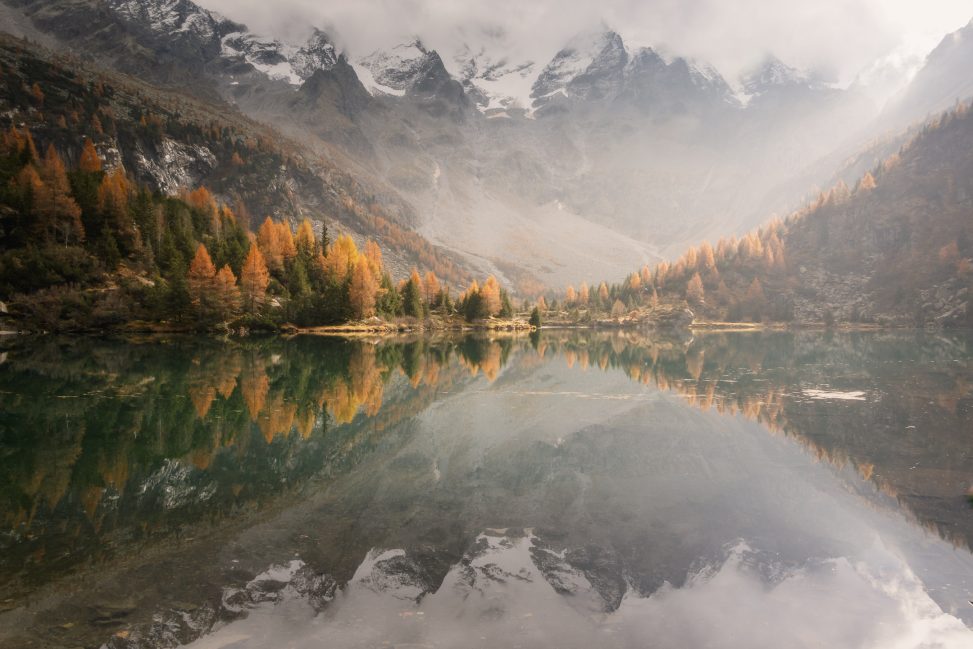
{"points": [[896, 249]]}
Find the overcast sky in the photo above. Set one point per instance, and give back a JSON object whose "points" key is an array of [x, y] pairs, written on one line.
{"points": [[837, 37]]}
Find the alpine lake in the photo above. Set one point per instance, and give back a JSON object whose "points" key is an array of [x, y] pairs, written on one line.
{"points": [[560, 489]]}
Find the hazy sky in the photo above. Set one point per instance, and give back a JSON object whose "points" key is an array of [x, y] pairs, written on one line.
{"points": [[838, 37]]}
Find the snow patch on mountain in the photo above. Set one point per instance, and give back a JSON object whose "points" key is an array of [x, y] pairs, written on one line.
{"points": [[395, 68], [494, 81], [281, 61], [172, 16]]}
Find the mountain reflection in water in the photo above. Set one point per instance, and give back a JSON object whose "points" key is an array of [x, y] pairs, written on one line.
{"points": [[571, 489]]}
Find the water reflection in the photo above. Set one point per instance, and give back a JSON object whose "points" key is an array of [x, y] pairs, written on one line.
{"points": [[152, 492]]}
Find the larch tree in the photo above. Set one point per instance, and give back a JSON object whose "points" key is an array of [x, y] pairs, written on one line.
{"points": [[583, 294], [431, 286], [56, 210], [342, 255], [254, 279], [603, 293], [287, 246], [90, 162], [363, 289], [490, 292], [306, 241], [113, 196], [268, 239], [570, 296], [867, 183], [694, 290], [201, 281], [373, 253], [227, 294]]}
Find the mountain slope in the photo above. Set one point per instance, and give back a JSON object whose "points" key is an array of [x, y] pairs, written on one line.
{"points": [[174, 143], [543, 173]]}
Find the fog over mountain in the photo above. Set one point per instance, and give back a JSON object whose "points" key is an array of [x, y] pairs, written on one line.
{"points": [[840, 39], [547, 143]]}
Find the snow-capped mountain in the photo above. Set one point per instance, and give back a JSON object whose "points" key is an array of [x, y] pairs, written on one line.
{"points": [[493, 80], [280, 61], [599, 65], [408, 69], [773, 76]]}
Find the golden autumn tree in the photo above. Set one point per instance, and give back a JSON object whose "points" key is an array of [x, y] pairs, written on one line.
{"points": [[570, 296], [363, 289], [694, 290], [201, 282], [57, 213], [603, 293], [288, 248], [490, 292], [583, 293], [227, 294], [306, 241], [254, 279], [28, 185], [113, 193], [867, 183], [90, 162], [268, 239], [342, 255], [373, 253], [430, 287]]}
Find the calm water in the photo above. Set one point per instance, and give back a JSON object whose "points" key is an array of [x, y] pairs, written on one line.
{"points": [[573, 490]]}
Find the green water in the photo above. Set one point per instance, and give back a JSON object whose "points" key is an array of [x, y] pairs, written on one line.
{"points": [[572, 489]]}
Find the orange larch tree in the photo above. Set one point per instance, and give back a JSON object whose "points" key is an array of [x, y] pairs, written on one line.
{"points": [[363, 289], [254, 279], [90, 162], [268, 238], [490, 292], [56, 210]]}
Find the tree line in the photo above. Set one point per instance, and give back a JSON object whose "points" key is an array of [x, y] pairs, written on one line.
{"points": [[67, 235]]}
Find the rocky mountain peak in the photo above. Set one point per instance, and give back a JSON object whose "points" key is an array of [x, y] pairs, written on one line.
{"points": [[770, 74], [173, 17], [591, 55]]}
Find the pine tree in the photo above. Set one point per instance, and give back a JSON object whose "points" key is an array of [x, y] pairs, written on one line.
{"points": [[535, 318], [254, 279], [412, 296]]}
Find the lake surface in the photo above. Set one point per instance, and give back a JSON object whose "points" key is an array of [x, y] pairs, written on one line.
{"points": [[565, 490]]}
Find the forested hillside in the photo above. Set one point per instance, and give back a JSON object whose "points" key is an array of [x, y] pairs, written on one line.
{"points": [[118, 203], [895, 249]]}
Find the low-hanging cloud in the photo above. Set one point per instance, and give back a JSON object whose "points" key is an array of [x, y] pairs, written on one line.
{"points": [[838, 38]]}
